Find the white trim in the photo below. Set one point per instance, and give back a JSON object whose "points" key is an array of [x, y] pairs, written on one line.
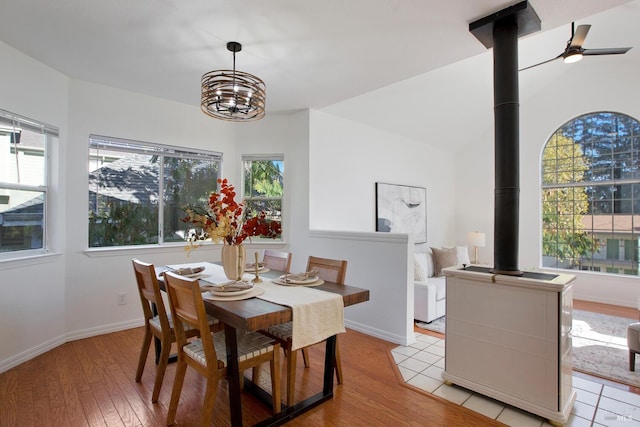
{"points": [[33, 352], [383, 335], [106, 329], [373, 236], [46, 346], [26, 260]]}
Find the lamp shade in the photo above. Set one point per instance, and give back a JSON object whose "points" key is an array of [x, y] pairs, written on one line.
{"points": [[233, 95], [476, 239]]}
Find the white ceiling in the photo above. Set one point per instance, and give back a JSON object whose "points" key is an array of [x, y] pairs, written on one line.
{"points": [[310, 54]]}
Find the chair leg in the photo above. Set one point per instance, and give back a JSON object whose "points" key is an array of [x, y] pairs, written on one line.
{"points": [[632, 360], [144, 351], [338, 364], [305, 357], [274, 365], [291, 376], [209, 401], [160, 369], [255, 374], [181, 370]]}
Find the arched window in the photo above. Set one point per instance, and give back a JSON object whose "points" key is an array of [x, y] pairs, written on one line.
{"points": [[591, 194]]}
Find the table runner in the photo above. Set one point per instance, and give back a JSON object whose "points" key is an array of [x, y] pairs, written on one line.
{"points": [[317, 314]]}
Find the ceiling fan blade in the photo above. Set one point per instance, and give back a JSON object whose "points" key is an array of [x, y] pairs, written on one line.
{"points": [[540, 63], [578, 37], [610, 51]]}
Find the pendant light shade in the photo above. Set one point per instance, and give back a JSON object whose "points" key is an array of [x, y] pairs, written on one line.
{"points": [[233, 95]]}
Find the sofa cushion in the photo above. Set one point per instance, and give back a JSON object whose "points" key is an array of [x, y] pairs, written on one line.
{"points": [[422, 266], [442, 258], [419, 268], [441, 290]]}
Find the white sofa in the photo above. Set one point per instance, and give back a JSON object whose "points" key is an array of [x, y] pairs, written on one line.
{"points": [[429, 288]]}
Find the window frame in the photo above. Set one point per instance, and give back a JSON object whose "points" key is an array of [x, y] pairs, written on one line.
{"points": [[50, 134], [163, 151], [275, 157], [609, 146]]}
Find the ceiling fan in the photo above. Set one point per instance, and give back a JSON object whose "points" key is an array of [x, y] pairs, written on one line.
{"points": [[574, 50]]}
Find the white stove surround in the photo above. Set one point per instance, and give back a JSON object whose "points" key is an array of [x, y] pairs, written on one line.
{"points": [[508, 337]]}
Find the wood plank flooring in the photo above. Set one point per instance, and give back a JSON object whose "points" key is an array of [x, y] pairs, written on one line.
{"points": [[90, 382]]}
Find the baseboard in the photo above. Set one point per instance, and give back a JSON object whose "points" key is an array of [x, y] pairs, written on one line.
{"points": [[16, 360], [383, 335], [105, 329], [27, 355], [36, 351]]}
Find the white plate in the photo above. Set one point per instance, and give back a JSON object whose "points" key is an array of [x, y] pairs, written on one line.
{"points": [[192, 274], [252, 266], [311, 279], [230, 294], [255, 291], [283, 283]]}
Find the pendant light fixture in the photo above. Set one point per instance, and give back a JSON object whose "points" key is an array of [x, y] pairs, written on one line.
{"points": [[233, 95]]}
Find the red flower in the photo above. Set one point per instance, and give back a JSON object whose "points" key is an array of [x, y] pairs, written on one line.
{"points": [[224, 220]]}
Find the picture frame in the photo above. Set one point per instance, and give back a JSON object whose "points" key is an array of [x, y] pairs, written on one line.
{"points": [[402, 209]]}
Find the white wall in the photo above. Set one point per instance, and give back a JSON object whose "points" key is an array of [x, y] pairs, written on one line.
{"points": [[572, 90], [94, 279], [348, 158], [332, 165], [32, 307], [286, 134]]}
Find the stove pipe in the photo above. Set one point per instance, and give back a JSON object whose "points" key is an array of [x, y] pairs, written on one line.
{"points": [[507, 142], [501, 31]]}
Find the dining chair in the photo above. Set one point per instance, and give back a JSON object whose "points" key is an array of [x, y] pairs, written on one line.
{"points": [[277, 260], [331, 270], [208, 355], [157, 323]]}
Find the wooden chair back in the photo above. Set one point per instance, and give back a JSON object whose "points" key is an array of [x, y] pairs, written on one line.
{"points": [[331, 270], [187, 308], [149, 291], [276, 260]]}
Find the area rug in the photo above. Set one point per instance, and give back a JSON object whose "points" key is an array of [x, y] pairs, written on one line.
{"points": [[436, 325], [600, 347]]}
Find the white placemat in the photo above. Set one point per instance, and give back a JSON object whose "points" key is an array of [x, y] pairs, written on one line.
{"points": [[212, 274], [317, 314]]}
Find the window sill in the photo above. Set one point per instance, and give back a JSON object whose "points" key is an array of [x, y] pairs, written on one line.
{"points": [[28, 260], [167, 248]]}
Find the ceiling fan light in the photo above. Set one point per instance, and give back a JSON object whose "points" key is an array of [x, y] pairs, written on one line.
{"points": [[573, 57]]}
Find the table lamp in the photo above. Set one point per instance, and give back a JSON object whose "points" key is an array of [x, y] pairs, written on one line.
{"points": [[476, 240]]}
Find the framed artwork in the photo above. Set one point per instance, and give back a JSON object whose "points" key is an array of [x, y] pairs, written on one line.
{"points": [[402, 209]]}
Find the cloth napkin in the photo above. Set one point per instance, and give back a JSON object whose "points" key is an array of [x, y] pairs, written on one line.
{"points": [[317, 314], [212, 273]]}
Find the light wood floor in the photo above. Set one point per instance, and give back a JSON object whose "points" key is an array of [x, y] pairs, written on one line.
{"points": [[91, 382]]}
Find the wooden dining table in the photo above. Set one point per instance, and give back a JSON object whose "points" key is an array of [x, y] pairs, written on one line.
{"points": [[254, 314]]}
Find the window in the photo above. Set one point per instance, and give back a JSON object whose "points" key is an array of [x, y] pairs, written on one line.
{"points": [[23, 184], [591, 194], [263, 185], [137, 190]]}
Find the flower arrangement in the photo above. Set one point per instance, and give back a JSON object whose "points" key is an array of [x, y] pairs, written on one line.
{"points": [[225, 220]]}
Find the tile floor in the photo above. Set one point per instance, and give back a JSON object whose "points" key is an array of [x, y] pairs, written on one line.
{"points": [[596, 404]]}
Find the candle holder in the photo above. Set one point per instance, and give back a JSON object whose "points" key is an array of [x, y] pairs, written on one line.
{"points": [[257, 279]]}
